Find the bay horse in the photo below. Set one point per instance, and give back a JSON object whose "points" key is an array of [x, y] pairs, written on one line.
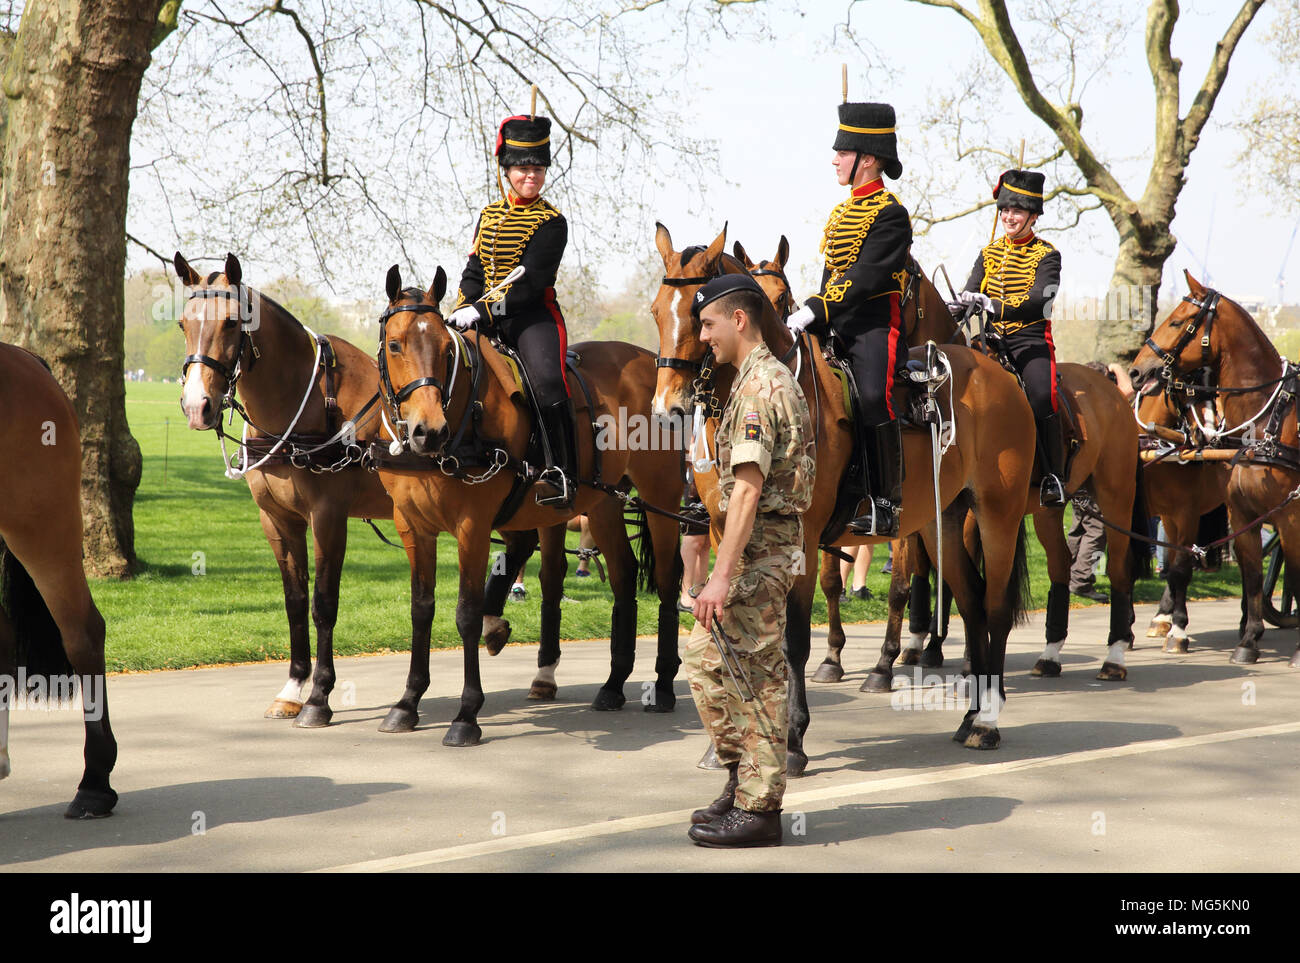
{"points": [[1188, 497], [238, 338], [1106, 461], [1256, 391], [986, 470], [49, 625], [487, 409]]}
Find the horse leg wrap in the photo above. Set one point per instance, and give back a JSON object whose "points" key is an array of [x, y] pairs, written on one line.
{"points": [[918, 606], [1058, 612]]}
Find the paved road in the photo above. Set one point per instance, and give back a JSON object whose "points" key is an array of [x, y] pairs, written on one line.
{"points": [[1190, 765]]}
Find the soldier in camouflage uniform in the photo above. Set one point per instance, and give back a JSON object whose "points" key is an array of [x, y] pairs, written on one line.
{"points": [[766, 469]]}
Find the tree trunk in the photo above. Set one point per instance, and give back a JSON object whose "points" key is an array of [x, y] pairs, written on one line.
{"points": [[1135, 290], [72, 83]]}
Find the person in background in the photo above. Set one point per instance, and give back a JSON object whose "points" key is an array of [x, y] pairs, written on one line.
{"points": [[861, 563]]}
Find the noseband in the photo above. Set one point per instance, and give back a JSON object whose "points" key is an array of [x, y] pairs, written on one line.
{"points": [[1206, 310], [394, 397]]}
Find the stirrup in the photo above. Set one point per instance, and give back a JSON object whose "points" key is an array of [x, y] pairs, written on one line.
{"points": [[1051, 493], [558, 480], [881, 522]]}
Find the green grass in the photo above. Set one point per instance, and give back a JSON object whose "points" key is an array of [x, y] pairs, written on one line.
{"points": [[169, 617]]}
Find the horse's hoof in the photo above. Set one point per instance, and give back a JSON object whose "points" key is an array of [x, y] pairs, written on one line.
{"points": [[283, 709], [1046, 669], [463, 734], [91, 804], [608, 701], [878, 682], [910, 657], [964, 730], [795, 764], [983, 737], [1245, 655], [1110, 672], [496, 633], [1176, 646], [709, 760], [542, 691], [665, 701], [399, 720], [931, 660], [1158, 630], [828, 671], [313, 717]]}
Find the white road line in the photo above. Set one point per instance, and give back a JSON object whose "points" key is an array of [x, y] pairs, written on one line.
{"points": [[796, 800]]}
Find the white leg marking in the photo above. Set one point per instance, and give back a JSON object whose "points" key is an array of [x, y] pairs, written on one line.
{"points": [[546, 674], [917, 640], [1052, 651], [5, 768], [1164, 619], [292, 691], [1116, 652], [1176, 632]]}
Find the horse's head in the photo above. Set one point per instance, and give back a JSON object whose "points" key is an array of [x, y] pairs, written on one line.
{"points": [[414, 348], [770, 276], [216, 321], [680, 348], [1185, 341]]}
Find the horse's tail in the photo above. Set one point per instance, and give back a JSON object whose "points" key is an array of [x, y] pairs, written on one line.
{"points": [[645, 553], [1139, 552], [1212, 527], [1018, 593], [40, 644]]}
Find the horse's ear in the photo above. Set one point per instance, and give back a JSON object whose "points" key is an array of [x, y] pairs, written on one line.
{"points": [[664, 242], [1194, 286], [233, 271], [782, 253], [714, 250], [439, 286], [738, 249], [393, 283], [186, 273], [730, 265]]}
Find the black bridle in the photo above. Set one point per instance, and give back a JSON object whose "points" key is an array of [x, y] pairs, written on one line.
{"points": [[229, 373], [1206, 310]]}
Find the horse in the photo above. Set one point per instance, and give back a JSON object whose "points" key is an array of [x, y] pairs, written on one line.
{"points": [[1188, 497], [1108, 465], [484, 407], [238, 338], [50, 629], [986, 470], [1210, 331]]}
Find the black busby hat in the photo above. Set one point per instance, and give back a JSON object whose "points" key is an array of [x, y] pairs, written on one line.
{"points": [[869, 129], [720, 287], [523, 142], [1020, 189]]}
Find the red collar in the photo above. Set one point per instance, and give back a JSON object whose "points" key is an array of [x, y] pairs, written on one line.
{"points": [[517, 201], [1021, 241], [869, 188]]}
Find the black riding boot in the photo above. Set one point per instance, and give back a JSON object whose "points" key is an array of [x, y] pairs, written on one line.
{"points": [[557, 422], [884, 481], [1051, 452]]}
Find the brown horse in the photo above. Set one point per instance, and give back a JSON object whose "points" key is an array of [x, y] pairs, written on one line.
{"points": [[1256, 392], [1188, 497], [52, 630], [986, 469], [273, 362], [465, 498]]}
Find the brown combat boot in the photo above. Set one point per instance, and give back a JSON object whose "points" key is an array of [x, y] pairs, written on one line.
{"points": [[723, 804], [740, 829]]}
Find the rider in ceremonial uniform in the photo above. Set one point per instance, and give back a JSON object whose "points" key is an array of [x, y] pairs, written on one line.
{"points": [[766, 471], [1014, 281], [522, 228], [866, 245]]}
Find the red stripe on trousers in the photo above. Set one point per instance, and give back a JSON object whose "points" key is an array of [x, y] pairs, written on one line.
{"points": [[895, 326], [1047, 336], [554, 308]]}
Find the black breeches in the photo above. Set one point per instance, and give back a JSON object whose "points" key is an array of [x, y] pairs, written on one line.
{"points": [[541, 342], [873, 356], [1035, 359]]}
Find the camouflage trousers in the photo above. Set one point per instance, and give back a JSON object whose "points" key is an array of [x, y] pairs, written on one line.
{"points": [[751, 733]]}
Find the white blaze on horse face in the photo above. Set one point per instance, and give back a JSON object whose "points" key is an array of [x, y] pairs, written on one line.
{"points": [[660, 407], [194, 395]]}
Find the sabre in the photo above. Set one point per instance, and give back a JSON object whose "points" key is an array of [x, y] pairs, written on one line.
{"points": [[948, 280]]}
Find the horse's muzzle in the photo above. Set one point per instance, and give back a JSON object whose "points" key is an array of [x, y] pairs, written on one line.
{"points": [[426, 442]]}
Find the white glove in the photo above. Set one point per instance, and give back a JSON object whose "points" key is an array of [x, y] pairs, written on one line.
{"points": [[464, 317], [976, 297], [800, 319]]}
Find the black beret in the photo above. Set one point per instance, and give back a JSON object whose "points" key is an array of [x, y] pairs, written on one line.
{"points": [[720, 287]]}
